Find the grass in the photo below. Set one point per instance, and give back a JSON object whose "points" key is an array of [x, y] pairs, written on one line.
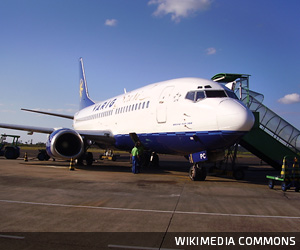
{"points": [[31, 147]]}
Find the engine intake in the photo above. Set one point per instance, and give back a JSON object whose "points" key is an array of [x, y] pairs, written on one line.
{"points": [[65, 143]]}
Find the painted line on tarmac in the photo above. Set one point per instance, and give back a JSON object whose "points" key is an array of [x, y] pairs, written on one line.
{"points": [[49, 166], [149, 210], [86, 207], [54, 167], [12, 237]]}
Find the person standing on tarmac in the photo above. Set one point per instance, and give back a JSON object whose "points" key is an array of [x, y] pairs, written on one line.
{"points": [[135, 158]]}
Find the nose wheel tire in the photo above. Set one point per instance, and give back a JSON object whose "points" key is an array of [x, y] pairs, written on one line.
{"points": [[197, 173]]}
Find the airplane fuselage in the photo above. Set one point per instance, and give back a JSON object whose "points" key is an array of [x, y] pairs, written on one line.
{"points": [[179, 116]]}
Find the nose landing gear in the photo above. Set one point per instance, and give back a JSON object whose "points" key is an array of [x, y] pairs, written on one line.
{"points": [[197, 172]]}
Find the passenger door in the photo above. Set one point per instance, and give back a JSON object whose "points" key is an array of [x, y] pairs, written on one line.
{"points": [[161, 110]]}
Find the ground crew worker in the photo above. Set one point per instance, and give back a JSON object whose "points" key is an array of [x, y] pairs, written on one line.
{"points": [[135, 158]]}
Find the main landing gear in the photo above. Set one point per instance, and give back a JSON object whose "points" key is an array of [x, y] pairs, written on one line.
{"points": [[87, 157], [197, 172]]}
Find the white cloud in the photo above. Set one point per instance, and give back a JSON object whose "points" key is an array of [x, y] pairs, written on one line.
{"points": [[179, 8], [10, 111], [210, 51], [111, 22], [290, 98]]}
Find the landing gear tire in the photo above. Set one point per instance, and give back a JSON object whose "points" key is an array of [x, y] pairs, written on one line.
{"points": [[43, 156], [89, 158], [79, 161], [154, 160], [197, 173]]}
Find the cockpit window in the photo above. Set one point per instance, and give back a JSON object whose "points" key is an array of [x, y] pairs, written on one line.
{"points": [[195, 96], [215, 93], [231, 94], [190, 95], [198, 95]]}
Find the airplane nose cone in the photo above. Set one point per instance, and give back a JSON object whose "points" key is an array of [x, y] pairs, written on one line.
{"points": [[234, 116]]}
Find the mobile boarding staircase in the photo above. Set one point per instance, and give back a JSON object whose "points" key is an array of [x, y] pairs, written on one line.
{"points": [[271, 138]]}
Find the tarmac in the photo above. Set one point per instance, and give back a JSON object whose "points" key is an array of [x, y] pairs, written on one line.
{"points": [[106, 206]]}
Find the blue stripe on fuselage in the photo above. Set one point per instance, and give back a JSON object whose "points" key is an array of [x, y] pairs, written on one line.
{"points": [[182, 143]]}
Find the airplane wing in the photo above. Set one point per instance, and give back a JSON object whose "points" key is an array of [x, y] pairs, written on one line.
{"points": [[27, 128], [49, 113], [99, 136]]}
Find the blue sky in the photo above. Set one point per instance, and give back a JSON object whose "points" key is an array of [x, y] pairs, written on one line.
{"points": [[132, 43]]}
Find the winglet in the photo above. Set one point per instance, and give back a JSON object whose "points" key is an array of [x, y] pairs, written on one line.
{"points": [[85, 100]]}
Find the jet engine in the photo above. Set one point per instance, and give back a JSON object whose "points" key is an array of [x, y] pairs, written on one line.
{"points": [[65, 143]]}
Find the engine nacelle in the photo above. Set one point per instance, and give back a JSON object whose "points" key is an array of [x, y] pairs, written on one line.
{"points": [[65, 143]]}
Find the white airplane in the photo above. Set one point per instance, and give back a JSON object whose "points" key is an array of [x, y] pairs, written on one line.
{"points": [[187, 116]]}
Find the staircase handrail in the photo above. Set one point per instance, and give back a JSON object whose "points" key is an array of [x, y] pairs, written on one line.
{"points": [[282, 131]]}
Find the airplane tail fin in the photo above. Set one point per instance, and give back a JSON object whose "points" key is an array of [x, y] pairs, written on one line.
{"points": [[85, 99]]}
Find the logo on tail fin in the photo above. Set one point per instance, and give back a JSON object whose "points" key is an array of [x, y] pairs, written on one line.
{"points": [[81, 88]]}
